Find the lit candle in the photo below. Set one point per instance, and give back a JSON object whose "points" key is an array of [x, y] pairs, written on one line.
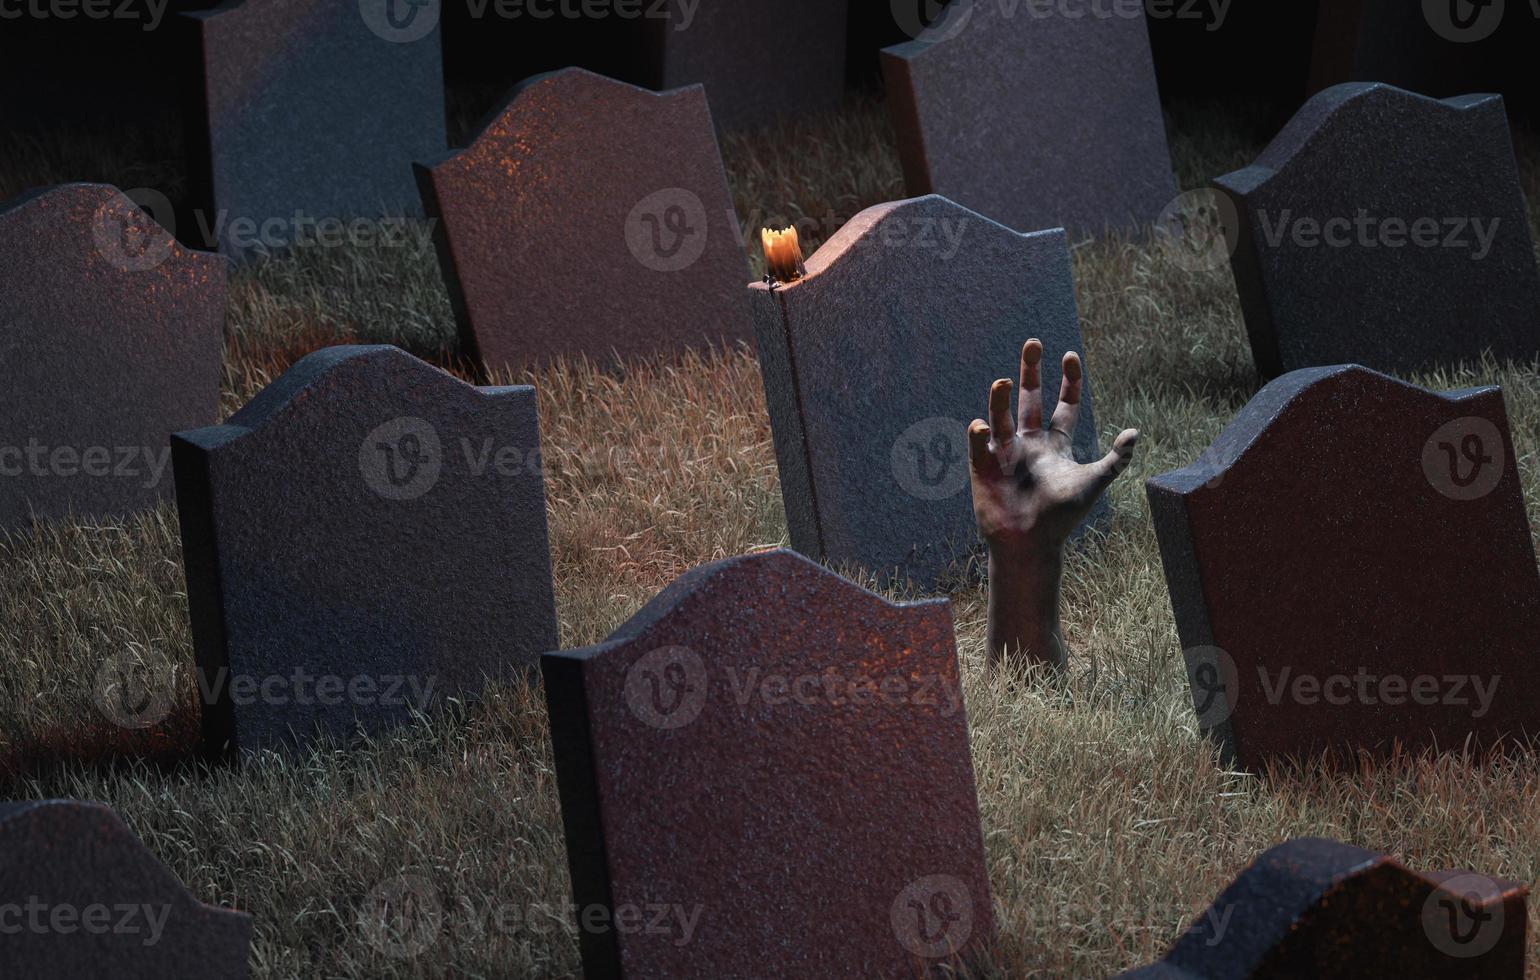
{"points": [[783, 255]]}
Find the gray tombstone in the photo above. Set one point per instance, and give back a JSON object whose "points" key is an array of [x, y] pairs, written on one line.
{"points": [[876, 361], [774, 762], [1385, 229], [111, 339], [365, 538], [758, 59], [1033, 117], [591, 218], [84, 897], [311, 113], [1332, 558]]}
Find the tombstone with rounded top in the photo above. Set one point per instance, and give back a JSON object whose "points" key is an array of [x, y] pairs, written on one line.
{"points": [[1036, 115], [1319, 908], [1386, 229], [775, 763], [875, 362], [111, 339], [310, 113], [88, 899], [590, 218], [365, 538], [1351, 568]]}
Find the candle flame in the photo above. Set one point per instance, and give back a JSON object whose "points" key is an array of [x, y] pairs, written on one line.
{"points": [[783, 255]]}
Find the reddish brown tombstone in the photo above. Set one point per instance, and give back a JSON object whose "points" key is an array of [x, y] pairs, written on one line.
{"points": [[771, 764], [1317, 908], [1350, 566], [111, 338], [81, 896], [590, 217]]}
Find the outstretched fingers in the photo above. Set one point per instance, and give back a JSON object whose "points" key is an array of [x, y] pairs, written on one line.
{"points": [[1030, 412], [1067, 414], [1000, 411]]}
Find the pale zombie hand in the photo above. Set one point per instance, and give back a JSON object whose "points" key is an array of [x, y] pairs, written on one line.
{"points": [[1029, 494]]}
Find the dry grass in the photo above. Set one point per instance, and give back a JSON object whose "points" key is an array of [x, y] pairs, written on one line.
{"points": [[1108, 821]]}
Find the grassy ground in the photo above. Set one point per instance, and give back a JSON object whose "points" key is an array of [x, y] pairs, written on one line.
{"points": [[1108, 821]]}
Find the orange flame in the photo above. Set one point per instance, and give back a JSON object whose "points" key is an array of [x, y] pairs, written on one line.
{"points": [[783, 255]]}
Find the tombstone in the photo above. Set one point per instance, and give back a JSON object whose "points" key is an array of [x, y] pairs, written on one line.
{"points": [[875, 362], [310, 114], [1012, 111], [83, 897], [1440, 48], [774, 764], [759, 59], [111, 338], [364, 539], [590, 218], [1421, 257], [1318, 908], [1333, 556]]}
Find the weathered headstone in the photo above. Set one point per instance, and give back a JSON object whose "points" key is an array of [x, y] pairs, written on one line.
{"points": [[1335, 557], [111, 339], [82, 896], [1015, 112], [311, 113], [1385, 229], [877, 360], [365, 538], [771, 765], [591, 217], [758, 59], [1318, 908]]}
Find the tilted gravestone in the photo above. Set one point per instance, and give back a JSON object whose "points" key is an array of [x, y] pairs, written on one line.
{"points": [[83, 897], [758, 59], [1318, 908], [1333, 556], [311, 113], [772, 763], [592, 218], [1011, 110], [875, 362], [1385, 229], [111, 339], [365, 538]]}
